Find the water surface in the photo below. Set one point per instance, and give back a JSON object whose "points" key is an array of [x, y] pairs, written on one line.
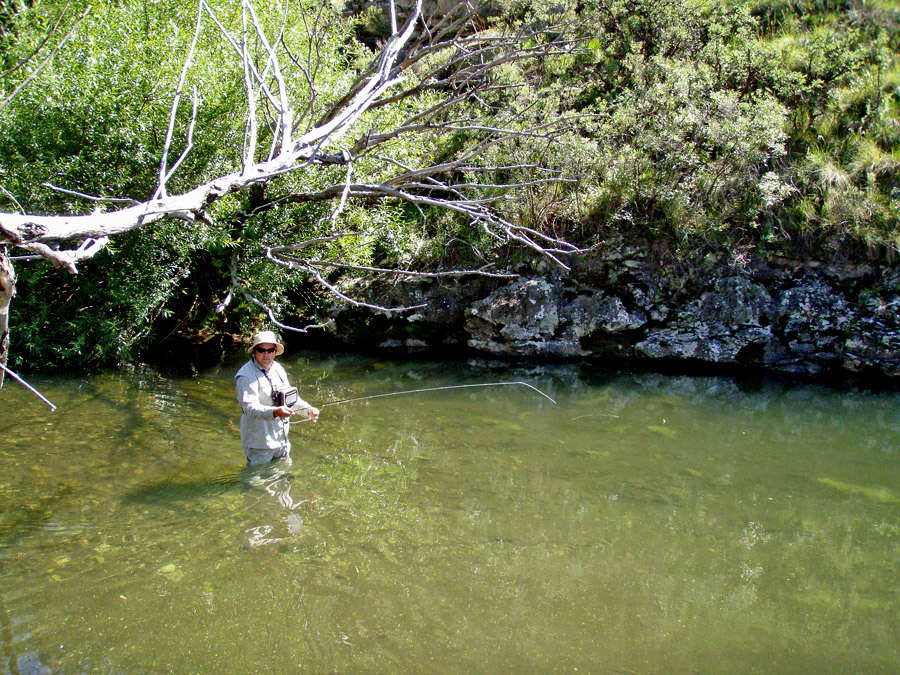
{"points": [[645, 524]]}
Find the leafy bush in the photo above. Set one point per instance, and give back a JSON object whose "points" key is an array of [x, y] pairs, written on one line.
{"points": [[764, 123]]}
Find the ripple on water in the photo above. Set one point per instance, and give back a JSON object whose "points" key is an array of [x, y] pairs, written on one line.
{"points": [[462, 530]]}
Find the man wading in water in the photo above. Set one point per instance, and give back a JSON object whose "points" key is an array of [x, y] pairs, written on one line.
{"points": [[267, 398]]}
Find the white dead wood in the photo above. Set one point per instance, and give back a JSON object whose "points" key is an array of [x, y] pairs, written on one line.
{"points": [[44, 233], [164, 172], [451, 59], [6, 371], [7, 292]]}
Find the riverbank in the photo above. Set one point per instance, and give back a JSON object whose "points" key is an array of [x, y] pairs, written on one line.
{"points": [[719, 313]]}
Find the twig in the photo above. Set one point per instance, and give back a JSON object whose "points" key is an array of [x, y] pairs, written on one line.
{"points": [[34, 73], [284, 106], [12, 198], [27, 386], [164, 173], [280, 258], [237, 285], [82, 195], [343, 200], [40, 45], [251, 135], [189, 144], [346, 298]]}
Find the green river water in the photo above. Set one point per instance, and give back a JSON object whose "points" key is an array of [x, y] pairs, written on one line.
{"points": [[646, 524]]}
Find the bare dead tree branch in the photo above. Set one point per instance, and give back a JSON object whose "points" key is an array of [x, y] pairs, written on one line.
{"points": [[294, 154], [240, 287], [442, 74], [36, 231], [164, 173], [492, 223], [317, 263], [12, 198], [334, 290], [5, 370], [92, 198]]}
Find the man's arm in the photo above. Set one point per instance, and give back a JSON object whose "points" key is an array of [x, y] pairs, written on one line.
{"points": [[248, 398]]}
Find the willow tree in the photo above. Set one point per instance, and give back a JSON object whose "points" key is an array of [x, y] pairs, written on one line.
{"points": [[418, 127], [50, 39]]}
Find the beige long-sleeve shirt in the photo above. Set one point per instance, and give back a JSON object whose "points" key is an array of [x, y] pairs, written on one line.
{"points": [[260, 428]]}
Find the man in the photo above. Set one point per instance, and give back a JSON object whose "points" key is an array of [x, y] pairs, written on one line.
{"points": [[265, 425]]}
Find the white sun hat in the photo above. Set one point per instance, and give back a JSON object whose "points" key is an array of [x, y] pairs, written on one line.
{"points": [[267, 337]]}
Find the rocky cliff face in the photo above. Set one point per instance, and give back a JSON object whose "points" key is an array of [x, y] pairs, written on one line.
{"points": [[804, 319]]}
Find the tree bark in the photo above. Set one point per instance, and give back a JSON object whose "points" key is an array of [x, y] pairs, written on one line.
{"points": [[7, 291]]}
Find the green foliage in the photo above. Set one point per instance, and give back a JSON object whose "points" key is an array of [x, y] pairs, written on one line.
{"points": [[94, 122], [770, 123], [767, 123], [104, 315]]}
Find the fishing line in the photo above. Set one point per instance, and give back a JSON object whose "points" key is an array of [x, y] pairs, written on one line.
{"points": [[420, 391]]}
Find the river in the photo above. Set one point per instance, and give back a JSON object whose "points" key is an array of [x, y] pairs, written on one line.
{"points": [[642, 524]]}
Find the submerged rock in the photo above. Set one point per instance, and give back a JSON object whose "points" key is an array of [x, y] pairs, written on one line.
{"points": [[878, 493]]}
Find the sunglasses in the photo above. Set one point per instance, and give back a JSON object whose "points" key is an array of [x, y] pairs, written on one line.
{"points": [[263, 350]]}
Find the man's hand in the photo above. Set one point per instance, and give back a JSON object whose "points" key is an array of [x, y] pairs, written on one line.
{"points": [[313, 414], [283, 412]]}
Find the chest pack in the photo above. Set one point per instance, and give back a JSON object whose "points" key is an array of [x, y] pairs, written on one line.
{"points": [[285, 397]]}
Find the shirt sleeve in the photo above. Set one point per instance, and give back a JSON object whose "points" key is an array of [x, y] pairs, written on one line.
{"points": [[248, 397], [300, 405]]}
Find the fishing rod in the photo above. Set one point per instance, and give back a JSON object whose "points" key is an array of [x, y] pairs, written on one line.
{"points": [[420, 391]]}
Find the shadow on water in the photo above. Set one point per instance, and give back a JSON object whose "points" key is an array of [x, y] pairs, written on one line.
{"points": [[694, 522], [167, 492], [34, 515]]}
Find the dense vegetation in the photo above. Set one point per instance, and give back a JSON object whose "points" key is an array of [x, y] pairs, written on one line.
{"points": [[759, 126]]}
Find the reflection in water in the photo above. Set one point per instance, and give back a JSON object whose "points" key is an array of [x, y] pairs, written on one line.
{"points": [[275, 480], [645, 524]]}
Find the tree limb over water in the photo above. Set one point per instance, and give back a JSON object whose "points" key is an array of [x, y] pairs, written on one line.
{"points": [[428, 80]]}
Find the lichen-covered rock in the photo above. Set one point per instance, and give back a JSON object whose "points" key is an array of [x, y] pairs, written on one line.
{"points": [[782, 316], [535, 317], [812, 322], [873, 343], [729, 323], [521, 319]]}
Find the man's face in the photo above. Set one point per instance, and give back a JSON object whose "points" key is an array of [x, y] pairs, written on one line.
{"points": [[264, 354]]}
